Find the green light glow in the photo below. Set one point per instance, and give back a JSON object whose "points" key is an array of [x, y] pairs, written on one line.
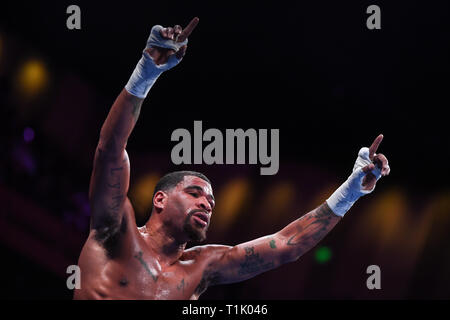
{"points": [[323, 254]]}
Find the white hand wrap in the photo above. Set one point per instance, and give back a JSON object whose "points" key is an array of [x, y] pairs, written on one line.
{"points": [[156, 40], [146, 71], [350, 191]]}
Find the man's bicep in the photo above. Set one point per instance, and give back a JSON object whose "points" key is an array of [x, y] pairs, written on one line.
{"points": [[108, 188], [249, 259]]}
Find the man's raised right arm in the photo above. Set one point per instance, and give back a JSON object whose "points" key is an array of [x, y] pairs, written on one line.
{"points": [[111, 173]]}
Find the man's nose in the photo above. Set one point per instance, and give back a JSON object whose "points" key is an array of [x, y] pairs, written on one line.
{"points": [[204, 204]]}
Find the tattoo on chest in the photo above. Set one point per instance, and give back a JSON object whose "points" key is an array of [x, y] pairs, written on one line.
{"points": [[181, 285], [144, 264], [253, 263]]}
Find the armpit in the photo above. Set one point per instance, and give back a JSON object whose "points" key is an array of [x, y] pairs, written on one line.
{"points": [[109, 236], [209, 278]]}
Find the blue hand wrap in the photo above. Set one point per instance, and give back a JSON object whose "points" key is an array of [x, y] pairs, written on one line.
{"points": [[146, 71]]}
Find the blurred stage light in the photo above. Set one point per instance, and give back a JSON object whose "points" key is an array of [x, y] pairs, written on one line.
{"points": [[142, 194], [277, 202], [385, 216], [229, 202], [440, 205], [322, 255], [438, 208], [32, 78], [24, 159], [28, 134]]}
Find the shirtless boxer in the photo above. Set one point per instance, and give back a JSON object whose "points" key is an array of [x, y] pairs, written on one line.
{"points": [[121, 261]]}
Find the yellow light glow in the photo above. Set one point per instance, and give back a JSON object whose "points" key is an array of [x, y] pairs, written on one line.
{"points": [[142, 194], [277, 202], [229, 202], [439, 208], [32, 78], [386, 216], [397, 231]]}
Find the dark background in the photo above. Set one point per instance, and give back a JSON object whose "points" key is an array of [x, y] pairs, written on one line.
{"points": [[311, 69]]}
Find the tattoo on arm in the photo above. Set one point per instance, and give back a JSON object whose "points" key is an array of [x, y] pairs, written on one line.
{"points": [[117, 197], [272, 244], [253, 263], [144, 264], [312, 227]]}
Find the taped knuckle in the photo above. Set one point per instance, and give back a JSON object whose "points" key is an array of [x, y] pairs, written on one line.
{"points": [[156, 29], [164, 38], [364, 153]]}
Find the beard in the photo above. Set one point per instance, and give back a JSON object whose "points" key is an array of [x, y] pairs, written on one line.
{"points": [[194, 233]]}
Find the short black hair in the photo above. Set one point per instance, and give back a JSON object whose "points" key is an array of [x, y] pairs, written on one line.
{"points": [[171, 179]]}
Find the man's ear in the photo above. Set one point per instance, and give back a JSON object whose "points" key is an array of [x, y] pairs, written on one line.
{"points": [[159, 201]]}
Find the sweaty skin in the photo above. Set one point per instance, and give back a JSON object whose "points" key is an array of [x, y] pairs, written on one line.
{"points": [[133, 268], [146, 262], [121, 261], [151, 262]]}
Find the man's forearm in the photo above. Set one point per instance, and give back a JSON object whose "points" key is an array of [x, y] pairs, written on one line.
{"points": [[124, 113], [120, 122], [305, 232]]}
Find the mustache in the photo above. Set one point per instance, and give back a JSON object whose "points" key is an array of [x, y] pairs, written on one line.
{"points": [[194, 211], [197, 210]]}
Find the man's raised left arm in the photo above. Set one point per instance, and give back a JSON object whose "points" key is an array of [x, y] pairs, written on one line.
{"points": [[237, 263]]}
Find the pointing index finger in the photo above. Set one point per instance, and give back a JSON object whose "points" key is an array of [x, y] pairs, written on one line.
{"points": [[373, 148], [188, 30]]}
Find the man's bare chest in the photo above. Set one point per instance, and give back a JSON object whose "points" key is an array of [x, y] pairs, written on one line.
{"points": [[145, 277]]}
